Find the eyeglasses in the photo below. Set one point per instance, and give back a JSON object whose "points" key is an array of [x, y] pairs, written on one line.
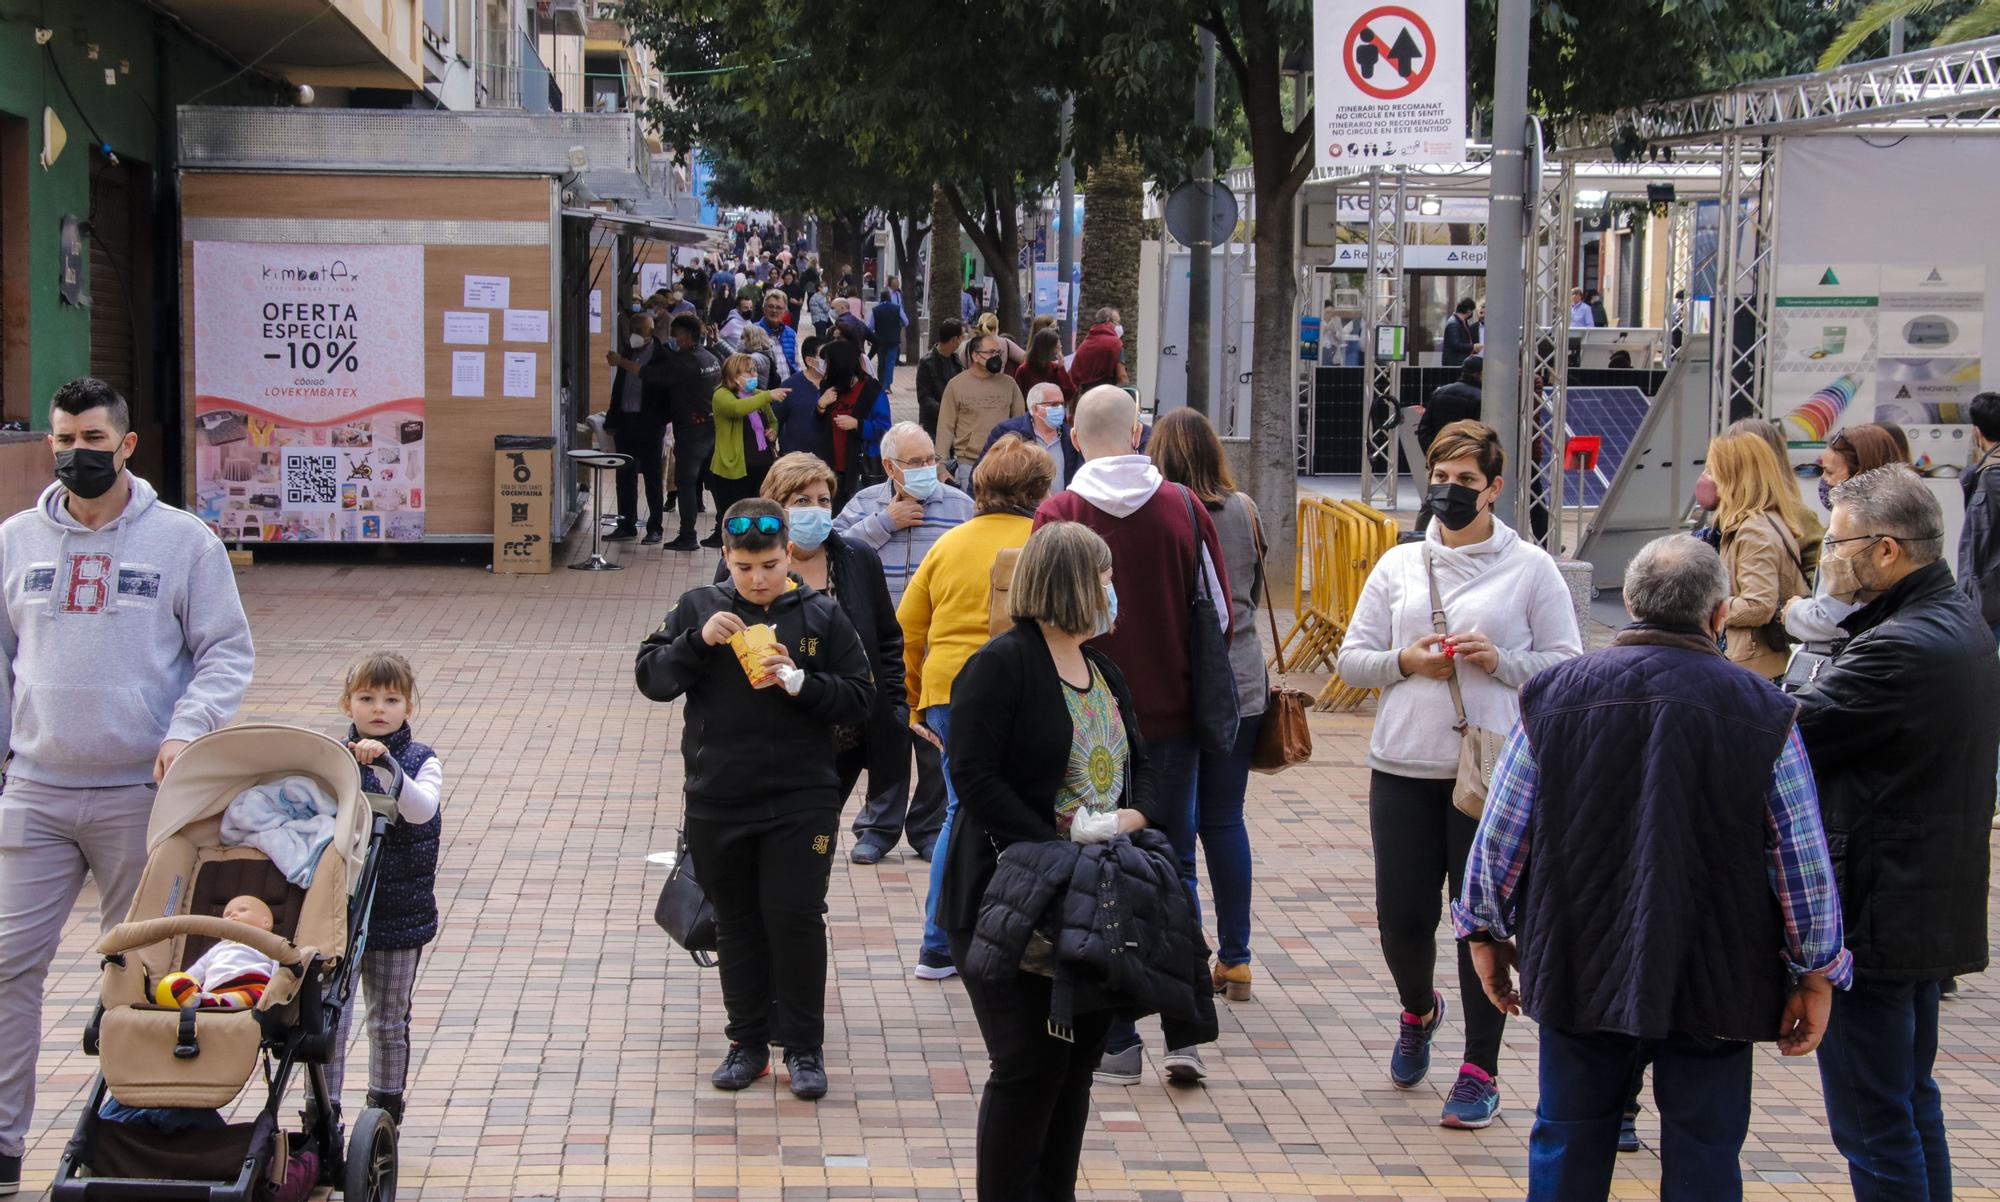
{"points": [[926, 461], [765, 523]]}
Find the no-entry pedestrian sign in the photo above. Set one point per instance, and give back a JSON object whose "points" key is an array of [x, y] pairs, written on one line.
{"points": [[1389, 82]]}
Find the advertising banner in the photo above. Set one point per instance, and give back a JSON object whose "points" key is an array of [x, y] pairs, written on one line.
{"points": [[309, 391], [1390, 82], [1045, 289]]}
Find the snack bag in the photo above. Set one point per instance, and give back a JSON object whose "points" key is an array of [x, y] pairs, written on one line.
{"points": [[751, 645]]}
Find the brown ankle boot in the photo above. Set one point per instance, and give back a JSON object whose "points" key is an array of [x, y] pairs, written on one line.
{"points": [[1232, 981]]}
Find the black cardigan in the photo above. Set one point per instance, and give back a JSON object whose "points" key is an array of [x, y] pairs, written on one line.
{"points": [[864, 597], [1010, 745]]}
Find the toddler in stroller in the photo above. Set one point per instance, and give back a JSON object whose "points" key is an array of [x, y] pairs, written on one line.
{"points": [[195, 1058]]}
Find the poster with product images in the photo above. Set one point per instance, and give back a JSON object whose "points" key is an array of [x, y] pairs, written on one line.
{"points": [[1823, 348], [309, 391], [1932, 331]]}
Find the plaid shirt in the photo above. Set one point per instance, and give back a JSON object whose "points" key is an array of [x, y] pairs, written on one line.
{"points": [[1801, 875]]}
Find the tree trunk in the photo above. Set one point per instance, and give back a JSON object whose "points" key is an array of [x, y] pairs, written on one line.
{"points": [[839, 239], [910, 238], [944, 283], [1111, 237], [996, 231]]}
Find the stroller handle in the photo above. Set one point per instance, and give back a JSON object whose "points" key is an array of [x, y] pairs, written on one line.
{"points": [[129, 935], [396, 777]]}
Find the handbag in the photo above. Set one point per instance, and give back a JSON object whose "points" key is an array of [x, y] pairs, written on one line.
{"points": [[1211, 681], [1286, 737], [1478, 747], [683, 910], [1000, 582]]}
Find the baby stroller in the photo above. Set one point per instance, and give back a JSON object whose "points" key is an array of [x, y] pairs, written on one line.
{"points": [[158, 1056]]}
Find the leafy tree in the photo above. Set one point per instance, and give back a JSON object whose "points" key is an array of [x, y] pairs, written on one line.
{"points": [[1937, 21]]}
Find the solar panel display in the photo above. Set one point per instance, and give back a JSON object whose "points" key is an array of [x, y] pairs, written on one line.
{"points": [[1613, 415]]}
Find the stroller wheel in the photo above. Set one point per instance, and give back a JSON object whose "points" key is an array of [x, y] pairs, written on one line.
{"points": [[370, 1174]]}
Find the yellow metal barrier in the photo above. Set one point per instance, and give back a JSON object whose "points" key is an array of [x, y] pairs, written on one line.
{"points": [[1339, 544]]}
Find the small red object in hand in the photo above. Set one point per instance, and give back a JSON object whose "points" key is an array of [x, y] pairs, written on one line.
{"points": [[1450, 649]]}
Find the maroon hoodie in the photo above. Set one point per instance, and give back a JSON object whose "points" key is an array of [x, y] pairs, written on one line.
{"points": [[1097, 357]]}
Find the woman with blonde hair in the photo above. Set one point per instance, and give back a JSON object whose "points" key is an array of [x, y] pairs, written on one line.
{"points": [[1760, 522], [746, 435], [989, 323]]}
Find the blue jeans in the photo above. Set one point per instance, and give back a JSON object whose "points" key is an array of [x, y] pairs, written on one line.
{"points": [[1701, 1087], [938, 718], [1221, 784], [1882, 1103], [1176, 769], [888, 365]]}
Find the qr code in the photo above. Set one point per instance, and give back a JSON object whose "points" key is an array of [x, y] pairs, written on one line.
{"points": [[312, 480]]}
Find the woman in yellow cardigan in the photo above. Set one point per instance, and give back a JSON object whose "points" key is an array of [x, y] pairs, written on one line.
{"points": [[944, 620], [746, 438]]}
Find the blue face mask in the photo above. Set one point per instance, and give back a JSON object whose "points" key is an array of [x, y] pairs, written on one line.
{"points": [[1109, 617], [1055, 415], [1825, 495], [920, 482], [809, 526]]}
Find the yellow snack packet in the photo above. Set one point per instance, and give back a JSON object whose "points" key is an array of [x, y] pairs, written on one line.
{"points": [[751, 645]]}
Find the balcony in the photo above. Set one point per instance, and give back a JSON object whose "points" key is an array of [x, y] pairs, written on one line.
{"points": [[328, 43]]}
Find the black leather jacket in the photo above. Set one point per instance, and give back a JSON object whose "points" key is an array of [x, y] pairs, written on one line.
{"points": [[1979, 543], [1903, 727]]}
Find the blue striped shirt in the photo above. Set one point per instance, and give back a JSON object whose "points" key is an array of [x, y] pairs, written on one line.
{"points": [[865, 519], [1801, 874]]}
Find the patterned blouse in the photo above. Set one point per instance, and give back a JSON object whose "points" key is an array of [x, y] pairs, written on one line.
{"points": [[1098, 753]]}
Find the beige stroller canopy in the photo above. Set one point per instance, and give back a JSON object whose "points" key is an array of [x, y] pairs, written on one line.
{"points": [[217, 767]]}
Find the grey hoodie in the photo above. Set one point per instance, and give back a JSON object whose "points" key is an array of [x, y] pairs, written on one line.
{"points": [[93, 678]]}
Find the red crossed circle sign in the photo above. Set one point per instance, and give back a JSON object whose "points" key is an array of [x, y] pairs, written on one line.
{"points": [[1398, 47]]}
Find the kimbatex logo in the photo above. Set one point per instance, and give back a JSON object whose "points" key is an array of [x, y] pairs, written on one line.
{"points": [[336, 272]]}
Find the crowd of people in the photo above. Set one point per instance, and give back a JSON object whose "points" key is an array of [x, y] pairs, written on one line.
{"points": [[1760, 815]]}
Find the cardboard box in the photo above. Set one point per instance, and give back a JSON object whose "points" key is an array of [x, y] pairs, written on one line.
{"points": [[524, 488]]}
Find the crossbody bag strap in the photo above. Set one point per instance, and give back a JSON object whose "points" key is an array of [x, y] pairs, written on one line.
{"points": [[1195, 589], [1438, 625], [1264, 586], [1784, 537]]}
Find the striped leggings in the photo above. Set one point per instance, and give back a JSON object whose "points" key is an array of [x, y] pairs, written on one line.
{"points": [[388, 978]]}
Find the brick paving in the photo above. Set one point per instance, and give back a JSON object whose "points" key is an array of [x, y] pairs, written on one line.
{"points": [[564, 1046]]}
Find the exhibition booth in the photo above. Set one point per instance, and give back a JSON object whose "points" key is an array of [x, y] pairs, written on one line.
{"points": [[370, 298]]}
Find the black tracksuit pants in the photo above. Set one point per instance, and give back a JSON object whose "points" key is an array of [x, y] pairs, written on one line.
{"points": [[694, 444], [1036, 1103], [640, 437], [1421, 842], [890, 811], [766, 878]]}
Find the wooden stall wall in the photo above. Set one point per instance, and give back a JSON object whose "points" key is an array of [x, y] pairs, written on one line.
{"points": [[459, 430]]}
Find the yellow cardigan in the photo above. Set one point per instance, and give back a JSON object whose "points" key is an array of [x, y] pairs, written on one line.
{"points": [[943, 613]]}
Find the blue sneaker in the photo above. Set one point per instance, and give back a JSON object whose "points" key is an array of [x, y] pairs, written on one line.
{"points": [[1412, 1057], [1474, 1100]]}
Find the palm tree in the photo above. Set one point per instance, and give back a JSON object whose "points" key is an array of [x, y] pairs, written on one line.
{"points": [[1982, 19], [1111, 235], [945, 283]]}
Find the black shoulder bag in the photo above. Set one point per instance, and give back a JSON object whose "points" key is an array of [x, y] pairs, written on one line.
{"points": [[1211, 682], [683, 910]]}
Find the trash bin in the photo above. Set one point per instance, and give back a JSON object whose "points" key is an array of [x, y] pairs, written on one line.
{"points": [[524, 487]]}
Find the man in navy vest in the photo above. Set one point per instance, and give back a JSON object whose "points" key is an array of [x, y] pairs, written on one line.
{"points": [[1652, 844], [1901, 725]]}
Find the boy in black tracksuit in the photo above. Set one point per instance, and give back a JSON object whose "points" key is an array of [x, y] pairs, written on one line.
{"points": [[763, 793]]}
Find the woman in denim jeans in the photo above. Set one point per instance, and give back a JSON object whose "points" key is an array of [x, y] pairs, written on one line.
{"points": [[1185, 448]]}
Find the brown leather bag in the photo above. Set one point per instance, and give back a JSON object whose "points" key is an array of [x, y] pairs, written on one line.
{"points": [[1286, 737], [997, 620]]}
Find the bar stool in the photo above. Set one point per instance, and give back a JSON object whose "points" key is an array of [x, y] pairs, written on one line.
{"points": [[598, 462]]}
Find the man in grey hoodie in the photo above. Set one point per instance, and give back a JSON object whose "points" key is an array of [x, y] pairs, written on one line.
{"points": [[121, 640]]}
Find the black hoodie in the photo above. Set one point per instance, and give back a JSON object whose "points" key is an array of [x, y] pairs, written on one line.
{"points": [[757, 753]]}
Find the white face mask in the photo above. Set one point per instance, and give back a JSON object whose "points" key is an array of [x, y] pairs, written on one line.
{"points": [[636, 341], [1119, 329]]}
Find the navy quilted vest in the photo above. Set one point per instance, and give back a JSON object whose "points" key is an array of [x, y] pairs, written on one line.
{"points": [[406, 913], [1646, 905]]}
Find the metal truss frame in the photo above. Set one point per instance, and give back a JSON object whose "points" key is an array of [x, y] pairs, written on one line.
{"points": [[1382, 297], [1947, 87], [1544, 354], [1680, 278]]}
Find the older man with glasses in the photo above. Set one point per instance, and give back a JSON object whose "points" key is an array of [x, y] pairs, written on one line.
{"points": [[901, 519]]}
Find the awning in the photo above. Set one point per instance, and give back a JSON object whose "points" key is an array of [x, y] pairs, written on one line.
{"points": [[662, 229]]}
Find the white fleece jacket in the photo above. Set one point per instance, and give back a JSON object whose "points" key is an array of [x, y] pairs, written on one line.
{"points": [[1504, 588]]}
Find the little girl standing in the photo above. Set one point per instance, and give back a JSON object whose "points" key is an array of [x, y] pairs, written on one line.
{"points": [[379, 696]]}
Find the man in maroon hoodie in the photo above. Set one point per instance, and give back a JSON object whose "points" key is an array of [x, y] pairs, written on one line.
{"points": [[1098, 355], [1155, 553]]}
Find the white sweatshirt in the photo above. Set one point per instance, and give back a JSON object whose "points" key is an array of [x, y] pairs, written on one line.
{"points": [[1504, 588]]}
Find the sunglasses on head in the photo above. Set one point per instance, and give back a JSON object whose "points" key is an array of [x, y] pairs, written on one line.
{"points": [[765, 523]]}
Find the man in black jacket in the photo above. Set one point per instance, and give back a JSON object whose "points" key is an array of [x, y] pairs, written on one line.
{"points": [[1900, 726], [1979, 541], [1460, 338], [686, 377], [638, 421], [763, 790], [935, 371], [1458, 401]]}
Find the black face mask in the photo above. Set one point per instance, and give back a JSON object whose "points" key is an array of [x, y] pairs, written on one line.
{"points": [[1455, 505], [87, 473], [993, 364]]}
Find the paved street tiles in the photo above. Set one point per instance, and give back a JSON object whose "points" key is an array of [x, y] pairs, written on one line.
{"points": [[564, 1047]]}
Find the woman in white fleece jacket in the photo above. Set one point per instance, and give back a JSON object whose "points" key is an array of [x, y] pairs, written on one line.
{"points": [[1508, 615]]}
